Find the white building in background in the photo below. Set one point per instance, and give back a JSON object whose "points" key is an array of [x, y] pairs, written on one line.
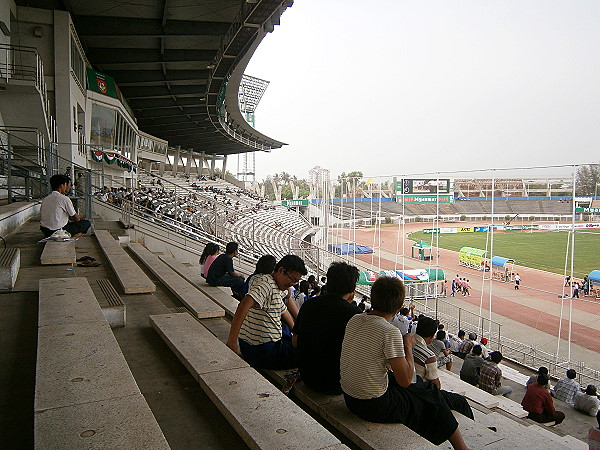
{"points": [[319, 180], [50, 94]]}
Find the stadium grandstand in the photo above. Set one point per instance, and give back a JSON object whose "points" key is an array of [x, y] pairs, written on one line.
{"points": [[113, 340]]}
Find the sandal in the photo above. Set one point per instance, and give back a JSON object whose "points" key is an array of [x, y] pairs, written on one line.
{"points": [[86, 258], [88, 263]]}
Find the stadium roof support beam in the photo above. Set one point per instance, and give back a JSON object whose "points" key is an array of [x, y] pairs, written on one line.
{"points": [[128, 26]]}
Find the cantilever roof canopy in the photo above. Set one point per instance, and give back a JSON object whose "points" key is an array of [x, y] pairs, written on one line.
{"points": [[178, 63]]}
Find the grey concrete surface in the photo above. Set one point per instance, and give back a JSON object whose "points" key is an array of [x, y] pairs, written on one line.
{"points": [[58, 253], [261, 413], [197, 303], [80, 363], [103, 424], [185, 414], [130, 276]]}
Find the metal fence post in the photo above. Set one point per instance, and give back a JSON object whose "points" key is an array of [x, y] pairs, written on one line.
{"points": [[28, 195], [87, 200], [9, 170]]}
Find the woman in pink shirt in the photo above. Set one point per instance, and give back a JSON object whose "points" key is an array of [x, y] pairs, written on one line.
{"points": [[210, 253]]}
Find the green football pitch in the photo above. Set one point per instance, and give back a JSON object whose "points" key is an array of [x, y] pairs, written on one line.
{"points": [[543, 250]]}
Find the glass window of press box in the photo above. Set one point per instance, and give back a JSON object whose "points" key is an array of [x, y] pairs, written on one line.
{"points": [[111, 132]]}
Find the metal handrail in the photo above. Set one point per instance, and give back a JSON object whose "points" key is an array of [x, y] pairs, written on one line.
{"points": [[29, 68]]}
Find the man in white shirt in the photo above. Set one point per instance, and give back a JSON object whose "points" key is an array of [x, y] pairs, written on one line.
{"points": [[402, 321], [587, 401], [57, 209]]}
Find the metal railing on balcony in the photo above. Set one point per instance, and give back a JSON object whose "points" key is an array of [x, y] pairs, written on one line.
{"points": [[25, 64]]}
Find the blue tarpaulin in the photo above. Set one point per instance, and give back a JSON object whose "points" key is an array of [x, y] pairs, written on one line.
{"points": [[499, 261], [594, 276], [349, 249]]}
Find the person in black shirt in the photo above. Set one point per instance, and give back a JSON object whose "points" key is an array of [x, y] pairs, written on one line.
{"points": [[221, 273], [319, 329]]}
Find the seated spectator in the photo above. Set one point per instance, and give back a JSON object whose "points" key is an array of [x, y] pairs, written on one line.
{"points": [[256, 330], [402, 321], [312, 283], [566, 388], [484, 351], [456, 341], [471, 368], [221, 271], [57, 211], [302, 294], [587, 401], [319, 330], [594, 435], [209, 254], [264, 266], [467, 345], [372, 392], [490, 376], [538, 402], [446, 339], [426, 366], [364, 304], [533, 378], [443, 354]]}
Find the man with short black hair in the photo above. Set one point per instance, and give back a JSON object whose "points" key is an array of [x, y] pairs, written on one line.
{"points": [[470, 369], [256, 330], [490, 376], [538, 403], [456, 341], [57, 209], [467, 345], [320, 326], [533, 378], [587, 401], [221, 273], [426, 365], [402, 321], [566, 388]]}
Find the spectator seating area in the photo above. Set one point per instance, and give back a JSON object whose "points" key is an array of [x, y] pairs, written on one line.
{"points": [[510, 208], [233, 213], [258, 412]]}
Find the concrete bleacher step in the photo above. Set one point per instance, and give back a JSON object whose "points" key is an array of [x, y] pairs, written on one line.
{"points": [[10, 263], [513, 374], [110, 302], [198, 303], [558, 441], [456, 385], [366, 435], [477, 435], [262, 415], [452, 382], [216, 294], [519, 434], [85, 393], [132, 278], [56, 252]]}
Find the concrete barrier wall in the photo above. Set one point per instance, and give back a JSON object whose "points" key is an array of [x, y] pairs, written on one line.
{"points": [[13, 215]]}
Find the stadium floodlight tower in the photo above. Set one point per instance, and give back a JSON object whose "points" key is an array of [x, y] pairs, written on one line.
{"points": [[249, 95]]}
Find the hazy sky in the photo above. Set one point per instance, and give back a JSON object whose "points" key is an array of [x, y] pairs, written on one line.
{"points": [[394, 87]]}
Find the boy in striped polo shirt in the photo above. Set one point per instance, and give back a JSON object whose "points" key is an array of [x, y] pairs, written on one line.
{"points": [[256, 330]]}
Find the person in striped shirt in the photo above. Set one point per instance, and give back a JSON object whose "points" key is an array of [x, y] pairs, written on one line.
{"points": [[376, 370], [256, 330]]}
